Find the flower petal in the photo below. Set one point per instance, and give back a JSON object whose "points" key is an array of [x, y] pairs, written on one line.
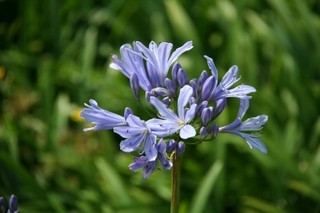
{"points": [[212, 67], [184, 97], [150, 149], [255, 123], [139, 163], [190, 113], [164, 112], [187, 46], [241, 91], [132, 144], [230, 78], [128, 131], [187, 131], [254, 142]]}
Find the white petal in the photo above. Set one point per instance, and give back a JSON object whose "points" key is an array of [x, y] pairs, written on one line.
{"points": [[187, 131]]}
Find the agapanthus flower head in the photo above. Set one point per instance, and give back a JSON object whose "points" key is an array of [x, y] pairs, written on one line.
{"points": [[184, 111]]}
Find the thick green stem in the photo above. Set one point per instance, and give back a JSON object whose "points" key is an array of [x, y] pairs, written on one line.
{"points": [[175, 183]]}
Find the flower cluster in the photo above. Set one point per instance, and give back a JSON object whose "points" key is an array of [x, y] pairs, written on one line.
{"points": [[13, 205], [186, 110]]}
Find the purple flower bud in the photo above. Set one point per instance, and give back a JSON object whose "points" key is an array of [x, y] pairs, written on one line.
{"points": [[206, 115], [134, 84], [193, 83], [180, 148], [166, 101], [220, 105], [160, 91], [2, 204], [13, 203], [202, 78], [172, 144], [214, 130], [200, 107], [182, 77], [127, 112], [171, 86], [208, 88], [175, 70], [203, 132]]}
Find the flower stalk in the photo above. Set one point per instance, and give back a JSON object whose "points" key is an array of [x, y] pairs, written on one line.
{"points": [[175, 183]]}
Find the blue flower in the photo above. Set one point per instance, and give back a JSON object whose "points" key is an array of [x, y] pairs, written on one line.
{"points": [[137, 136], [170, 122], [159, 60], [102, 119], [241, 128], [217, 91], [147, 166], [147, 67]]}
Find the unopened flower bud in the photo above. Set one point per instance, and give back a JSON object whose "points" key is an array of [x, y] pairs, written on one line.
{"points": [[127, 112], [182, 77], [172, 144], [180, 148]]}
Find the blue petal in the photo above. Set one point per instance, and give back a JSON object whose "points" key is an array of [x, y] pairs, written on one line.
{"points": [[244, 105], [139, 163], [132, 144], [164, 112], [184, 97], [150, 149], [212, 67], [230, 78], [190, 113], [254, 142], [148, 169], [241, 91], [254, 124], [134, 121], [162, 128], [179, 51], [128, 131]]}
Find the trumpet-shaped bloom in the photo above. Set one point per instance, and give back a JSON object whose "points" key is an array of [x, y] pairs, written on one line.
{"points": [[102, 119], [222, 90], [241, 128], [137, 137], [148, 166], [149, 65], [171, 122]]}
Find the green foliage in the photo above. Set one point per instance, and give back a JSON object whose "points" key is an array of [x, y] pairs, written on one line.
{"points": [[54, 57]]}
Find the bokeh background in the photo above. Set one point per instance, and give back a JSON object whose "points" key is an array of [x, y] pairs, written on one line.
{"points": [[54, 56]]}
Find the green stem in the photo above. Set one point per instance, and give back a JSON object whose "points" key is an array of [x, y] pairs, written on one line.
{"points": [[175, 183]]}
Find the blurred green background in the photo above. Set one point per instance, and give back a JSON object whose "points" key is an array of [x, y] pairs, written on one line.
{"points": [[54, 56]]}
